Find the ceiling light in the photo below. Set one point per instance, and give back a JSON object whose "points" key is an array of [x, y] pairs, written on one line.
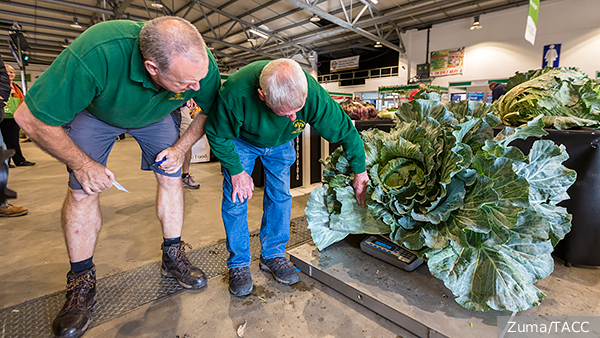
{"points": [[156, 4], [66, 44], [257, 32], [315, 18], [476, 23], [378, 44], [75, 23], [375, 1]]}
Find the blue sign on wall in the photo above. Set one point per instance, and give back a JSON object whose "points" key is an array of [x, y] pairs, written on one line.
{"points": [[475, 97], [551, 55]]}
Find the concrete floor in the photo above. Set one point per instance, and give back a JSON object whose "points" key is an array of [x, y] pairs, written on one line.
{"points": [[34, 261]]}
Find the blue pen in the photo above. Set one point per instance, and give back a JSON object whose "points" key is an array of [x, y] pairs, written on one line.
{"points": [[161, 161]]}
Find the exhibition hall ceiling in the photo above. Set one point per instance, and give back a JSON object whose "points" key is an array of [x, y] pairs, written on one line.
{"points": [[241, 31]]}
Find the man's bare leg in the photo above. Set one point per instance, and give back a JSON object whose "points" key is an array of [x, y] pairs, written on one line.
{"points": [[169, 209], [81, 222]]}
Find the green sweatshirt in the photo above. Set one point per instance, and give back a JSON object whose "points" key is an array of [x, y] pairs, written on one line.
{"points": [[240, 112]]}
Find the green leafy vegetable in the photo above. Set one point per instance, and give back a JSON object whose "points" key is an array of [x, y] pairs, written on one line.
{"points": [[484, 214], [566, 97]]}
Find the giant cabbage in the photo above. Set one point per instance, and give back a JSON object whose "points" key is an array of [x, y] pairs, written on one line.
{"points": [[566, 97], [483, 214]]}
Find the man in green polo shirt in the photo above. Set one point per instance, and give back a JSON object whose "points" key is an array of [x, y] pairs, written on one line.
{"points": [[260, 110], [120, 76]]}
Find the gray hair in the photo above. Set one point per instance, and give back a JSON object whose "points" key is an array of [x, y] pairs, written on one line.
{"points": [[168, 36], [284, 84]]}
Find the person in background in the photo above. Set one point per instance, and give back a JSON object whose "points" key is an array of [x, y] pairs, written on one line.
{"points": [[6, 209], [129, 76], [261, 109], [497, 90], [186, 120], [10, 128], [422, 86]]}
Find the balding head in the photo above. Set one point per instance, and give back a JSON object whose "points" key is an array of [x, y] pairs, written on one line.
{"points": [[284, 85], [166, 37]]}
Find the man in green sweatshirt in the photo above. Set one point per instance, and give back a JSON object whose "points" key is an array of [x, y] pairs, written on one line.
{"points": [[120, 77], [260, 110]]}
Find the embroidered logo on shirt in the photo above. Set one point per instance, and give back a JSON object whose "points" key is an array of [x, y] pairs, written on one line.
{"points": [[177, 97], [299, 125]]}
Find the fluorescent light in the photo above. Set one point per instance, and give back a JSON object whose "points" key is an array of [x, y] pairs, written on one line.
{"points": [[315, 18], [375, 1], [156, 4], [75, 23], [259, 33]]}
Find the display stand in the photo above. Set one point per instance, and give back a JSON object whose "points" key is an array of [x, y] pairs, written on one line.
{"points": [[415, 300]]}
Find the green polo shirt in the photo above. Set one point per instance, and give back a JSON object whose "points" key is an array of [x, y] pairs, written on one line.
{"points": [[103, 71], [240, 112]]}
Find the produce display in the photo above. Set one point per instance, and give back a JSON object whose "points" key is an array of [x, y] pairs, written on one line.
{"points": [[360, 111], [566, 97], [483, 214]]}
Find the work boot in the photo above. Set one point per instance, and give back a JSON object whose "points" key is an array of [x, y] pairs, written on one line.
{"points": [[9, 210], [281, 268], [175, 264], [74, 317], [240, 281]]}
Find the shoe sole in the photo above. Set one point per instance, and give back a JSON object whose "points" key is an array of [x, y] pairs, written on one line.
{"points": [[15, 215], [187, 286], [189, 186], [265, 268]]}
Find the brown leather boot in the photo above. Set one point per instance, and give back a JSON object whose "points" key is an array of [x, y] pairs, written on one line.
{"points": [[175, 264], [74, 317]]}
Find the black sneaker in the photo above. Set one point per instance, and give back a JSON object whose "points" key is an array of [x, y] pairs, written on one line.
{"points": [[281, 268], [74, 317], [240, 281], [175, 264], [25, 164]]}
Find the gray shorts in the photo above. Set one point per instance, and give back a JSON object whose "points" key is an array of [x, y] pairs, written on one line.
{"points": [[96, 138]]}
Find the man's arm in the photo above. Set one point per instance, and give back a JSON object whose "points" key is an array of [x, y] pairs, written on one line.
{"points": [[93, 176], [176, 153]]}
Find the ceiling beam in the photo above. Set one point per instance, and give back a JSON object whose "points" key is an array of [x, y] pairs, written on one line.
{"points": [[91, 8], [119, 11], [344, 24]]}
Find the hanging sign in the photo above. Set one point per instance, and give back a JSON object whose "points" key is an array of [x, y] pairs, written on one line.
{"points": [[551, 55], [338, 65], [340, 97], [447, 62], [531, 29]]}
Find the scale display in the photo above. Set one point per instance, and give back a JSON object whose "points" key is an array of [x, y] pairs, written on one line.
{"points": [[389, 252]]}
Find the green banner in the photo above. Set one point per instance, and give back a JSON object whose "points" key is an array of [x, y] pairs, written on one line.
{"points": [[531, 29], [18, 78]]}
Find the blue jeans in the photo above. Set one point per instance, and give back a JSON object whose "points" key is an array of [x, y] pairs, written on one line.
{"points": [[277, 204]]}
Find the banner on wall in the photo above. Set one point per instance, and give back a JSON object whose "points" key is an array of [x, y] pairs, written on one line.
{"points": [[447, 62], [340, 97], [531, 28], [348, 63]]}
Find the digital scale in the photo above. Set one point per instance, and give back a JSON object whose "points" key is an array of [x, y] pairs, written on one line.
{"points": [[383, 249]]}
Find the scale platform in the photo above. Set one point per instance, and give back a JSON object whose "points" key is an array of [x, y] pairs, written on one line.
{"points": [[415, 301]]}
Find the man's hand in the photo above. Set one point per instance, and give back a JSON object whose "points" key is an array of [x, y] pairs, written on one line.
{"points": [[243, 185], [174, 159], [191, 104], [360, 187], [94, 177]]}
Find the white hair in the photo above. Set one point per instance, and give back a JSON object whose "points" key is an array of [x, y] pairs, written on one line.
{"points": [[284, 84], [167, 36]]}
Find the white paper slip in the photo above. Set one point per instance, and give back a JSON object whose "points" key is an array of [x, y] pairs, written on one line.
{"points": [[118, 186]]}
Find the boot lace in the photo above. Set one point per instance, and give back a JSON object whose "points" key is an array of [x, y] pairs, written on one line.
{"points": [[239, 273], [78, 288], [182, 262], [278, 263]]}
